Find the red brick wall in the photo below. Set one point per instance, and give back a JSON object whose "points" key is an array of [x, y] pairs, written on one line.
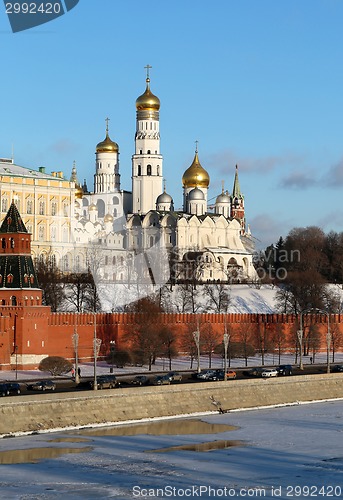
{"points": [[37, 331]]}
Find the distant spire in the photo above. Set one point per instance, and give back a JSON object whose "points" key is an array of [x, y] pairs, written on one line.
{"points": [[73, 177], [236, 192]]}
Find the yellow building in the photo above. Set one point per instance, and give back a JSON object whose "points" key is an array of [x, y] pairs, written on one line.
{"points": [[46, 204]]}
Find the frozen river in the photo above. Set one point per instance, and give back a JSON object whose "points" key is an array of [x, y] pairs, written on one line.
{"points": [[289, 452]]}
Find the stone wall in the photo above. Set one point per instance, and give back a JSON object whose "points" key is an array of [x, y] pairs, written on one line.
{"points": [[50, 411]]}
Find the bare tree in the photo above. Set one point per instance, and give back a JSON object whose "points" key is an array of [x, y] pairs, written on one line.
{"points": [[50, 281], [210, 340], [218, 297]]}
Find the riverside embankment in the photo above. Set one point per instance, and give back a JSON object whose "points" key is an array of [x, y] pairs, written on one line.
{"points": [[42, 412]]}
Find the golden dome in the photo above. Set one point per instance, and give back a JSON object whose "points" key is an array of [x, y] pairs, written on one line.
{"points": [[196, 175], [78, 192], [147, 100], [107, 146], [108, 218], [92, 207]]}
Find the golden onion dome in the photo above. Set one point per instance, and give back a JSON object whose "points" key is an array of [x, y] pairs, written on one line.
{"points": [[92, 207], [107, 146], [196, 175], [78, 192], [108, 218], [147, 100]]}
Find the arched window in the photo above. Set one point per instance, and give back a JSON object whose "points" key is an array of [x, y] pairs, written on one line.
{"points": [[4, 205], [41, 233], [53, 208], [139, 172], [148, 169], [29, 206], [115, 200], [12, 242], [3, 242], [114, 260], [151, 241], [41, 208], [10, 278], [14, 300]]}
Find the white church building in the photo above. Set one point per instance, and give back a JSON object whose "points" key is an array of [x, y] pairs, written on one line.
{"points": [[135, 235]]}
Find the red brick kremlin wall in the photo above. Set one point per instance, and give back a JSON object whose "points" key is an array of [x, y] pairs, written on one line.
{"points": [[28, 334]]}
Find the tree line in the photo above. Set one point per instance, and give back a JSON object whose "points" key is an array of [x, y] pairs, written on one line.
{"points": [[302, 266]]}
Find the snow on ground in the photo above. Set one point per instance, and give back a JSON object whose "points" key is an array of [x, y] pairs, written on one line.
{"points": [[243, 298], [287, 452]]}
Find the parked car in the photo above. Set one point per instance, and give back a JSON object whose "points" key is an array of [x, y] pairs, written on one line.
{"points": [[230, 375], [140, 380], [254, 372], [161, 380], [105, 382], [174, 376], [42, 385], [13, 387], [285, 370], [337, 368], [206, 374], [269, 372], [3, 390]]}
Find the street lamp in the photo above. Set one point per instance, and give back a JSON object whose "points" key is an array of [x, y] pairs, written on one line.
{"points": [[196, 336], [75, 338], [95, 385], [16, 362], [112, 351], [226, 345]]}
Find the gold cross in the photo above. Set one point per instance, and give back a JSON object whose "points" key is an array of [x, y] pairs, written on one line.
{"points": [[147, 67], [196, 146], [107, 120]]}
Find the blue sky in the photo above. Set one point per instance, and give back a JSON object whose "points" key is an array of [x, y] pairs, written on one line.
{"points": [[257, 83]]}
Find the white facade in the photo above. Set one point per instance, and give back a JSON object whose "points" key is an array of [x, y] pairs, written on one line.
{"points": [[124, 235]]}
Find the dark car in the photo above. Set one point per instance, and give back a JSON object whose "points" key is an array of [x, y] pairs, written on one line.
{"points": [[254, 372], [13, 387], [284, 369], [4, 389], [42, 385], [161, 380], [105, 382], [174, 376], [140, 380], [337, 369]]}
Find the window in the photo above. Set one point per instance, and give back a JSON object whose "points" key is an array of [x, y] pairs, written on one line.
{"points": [[53, 208], [29, 206], [139, 172], [114, 260], [148, 169], [10, 278], [41, 233], [106, 260], [41, 208], [4, 205]]}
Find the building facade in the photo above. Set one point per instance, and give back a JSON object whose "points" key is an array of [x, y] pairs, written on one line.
{"points": [[120, 234]]}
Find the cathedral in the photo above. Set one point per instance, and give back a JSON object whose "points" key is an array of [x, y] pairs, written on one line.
{"points": [[133, 236]]}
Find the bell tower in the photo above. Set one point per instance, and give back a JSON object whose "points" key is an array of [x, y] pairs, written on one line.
{"points": [[147, 177]]}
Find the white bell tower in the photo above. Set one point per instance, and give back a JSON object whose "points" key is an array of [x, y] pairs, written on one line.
{"points": [[147, 177]]}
